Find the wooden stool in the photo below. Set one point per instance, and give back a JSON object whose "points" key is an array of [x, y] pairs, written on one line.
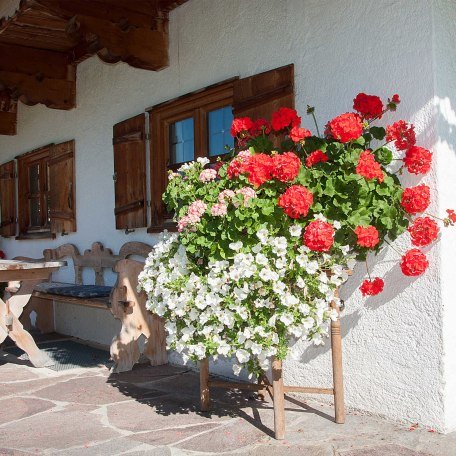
{"points": [[277, 390]]}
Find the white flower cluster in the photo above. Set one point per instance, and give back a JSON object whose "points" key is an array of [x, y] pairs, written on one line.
{"points": [[248, 306]]}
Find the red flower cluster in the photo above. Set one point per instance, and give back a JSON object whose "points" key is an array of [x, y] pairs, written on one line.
{"points": [[319, 236], [369, 106], [423, 231], [372, 287], [368, 167], [234, 168], [418, 160], [285, 118], [286, 166], [414, 263], [402, 134], [395, 99], [416, 199], [345, 127], [315, 157], [259, 127], [296, 201], [367, 236], [298, 134], [451, 216], [241, 125], [258, 169]]}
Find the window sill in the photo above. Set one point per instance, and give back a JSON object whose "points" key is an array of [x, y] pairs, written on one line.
{"points": [[31, 236]]}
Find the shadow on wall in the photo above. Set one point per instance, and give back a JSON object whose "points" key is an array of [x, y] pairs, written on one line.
{"points": [[447, 122], [350, 321]]}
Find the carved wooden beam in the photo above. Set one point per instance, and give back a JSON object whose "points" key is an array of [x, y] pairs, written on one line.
{"points": [[38, 76], [139, 47], [8, 113]]}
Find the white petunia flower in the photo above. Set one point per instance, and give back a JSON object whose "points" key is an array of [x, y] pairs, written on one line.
{"points": [[203, 160], [235, 245], [242, 355], [295, 230]]}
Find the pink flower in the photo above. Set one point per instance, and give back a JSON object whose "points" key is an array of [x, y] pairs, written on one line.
{"points": [[197, 209], [248, 193], [225, 195], [219, 209], [207, 175]]}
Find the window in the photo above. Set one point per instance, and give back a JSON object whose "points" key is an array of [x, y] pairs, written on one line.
{"points": [[46, 198], [198, 125], [33, 173], [192, 126]]}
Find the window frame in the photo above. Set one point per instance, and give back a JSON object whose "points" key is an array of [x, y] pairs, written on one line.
{"points": [[41, 157], [196, 105]]}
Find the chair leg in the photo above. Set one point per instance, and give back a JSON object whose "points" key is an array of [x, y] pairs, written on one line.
{"points": [[279, 399], [205, 398], [338, 382]]}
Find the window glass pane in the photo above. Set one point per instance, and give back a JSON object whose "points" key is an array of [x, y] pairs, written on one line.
{"points": [[35, 219], [219, 125], [181, 140], [34, 179]]}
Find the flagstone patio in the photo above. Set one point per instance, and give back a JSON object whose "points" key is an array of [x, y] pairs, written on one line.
{"points": [[154, 411]]}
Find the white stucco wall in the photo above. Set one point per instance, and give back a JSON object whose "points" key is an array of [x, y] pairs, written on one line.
{"points": [[397, 358]]}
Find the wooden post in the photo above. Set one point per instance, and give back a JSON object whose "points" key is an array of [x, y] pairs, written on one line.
{"points": [[205, 397], [338, 382], [279, 399]]}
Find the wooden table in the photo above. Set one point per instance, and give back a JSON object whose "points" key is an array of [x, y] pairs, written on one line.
{"points": [[23, 277]]}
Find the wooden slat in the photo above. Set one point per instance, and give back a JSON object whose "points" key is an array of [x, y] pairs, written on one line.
{"points": [[98, 303], [8, 199], [62, 194], [307, 389], [130, 173]]}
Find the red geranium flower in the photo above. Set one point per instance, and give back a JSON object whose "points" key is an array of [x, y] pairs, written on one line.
{"points": [[315, 157], [298, 134], [345, 127], [372, 287], [296, 201], [368, 167], [395, 99], [414, 263], [286, 166], [241, 125], [402, 134], [319, 236], [451, 216], [418, 160], [423, 231], [369, 106], [416, 199], [259, 127], [258, 169], [367, 236], [284, 118]]}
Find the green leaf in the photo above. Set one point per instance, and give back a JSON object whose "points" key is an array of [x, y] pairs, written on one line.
{"points": [[383, 155], [377, 132]]}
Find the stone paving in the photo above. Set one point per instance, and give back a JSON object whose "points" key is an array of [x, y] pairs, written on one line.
{"points": [[154, 411]]}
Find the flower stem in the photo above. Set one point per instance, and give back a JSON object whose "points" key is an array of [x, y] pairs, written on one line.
{"points": [[311, 112]]}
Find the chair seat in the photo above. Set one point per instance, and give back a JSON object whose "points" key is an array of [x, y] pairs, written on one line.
{"points": [[75, 291]]}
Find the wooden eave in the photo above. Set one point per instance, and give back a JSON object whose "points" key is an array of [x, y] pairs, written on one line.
{"points": [[42, 43]]}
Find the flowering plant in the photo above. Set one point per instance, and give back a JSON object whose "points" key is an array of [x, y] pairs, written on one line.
{"points": [[267, 234]]}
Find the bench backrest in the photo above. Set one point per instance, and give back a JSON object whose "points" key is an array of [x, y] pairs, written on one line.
{"points": [[97, 258]]}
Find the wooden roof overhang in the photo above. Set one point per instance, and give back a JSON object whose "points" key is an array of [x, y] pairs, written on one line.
{"points": [[42, 43]]}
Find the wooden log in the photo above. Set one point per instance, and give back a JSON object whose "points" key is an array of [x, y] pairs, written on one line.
{"points": [[279, 399], [338, 382], [205, 398], [235, 385]]}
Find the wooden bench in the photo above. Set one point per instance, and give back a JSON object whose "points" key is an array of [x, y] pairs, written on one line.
{"points": [[124, 301]]}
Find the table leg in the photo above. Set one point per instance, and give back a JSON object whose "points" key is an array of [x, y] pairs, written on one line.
{"points": [[16, 331]]}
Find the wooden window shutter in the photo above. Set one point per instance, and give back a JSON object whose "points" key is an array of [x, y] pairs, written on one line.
{"points": [[62, 191], [8, 199], [129, 141], [260, 95]]}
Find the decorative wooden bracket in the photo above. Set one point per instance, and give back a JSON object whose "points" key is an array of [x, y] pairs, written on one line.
{"points": [[8, 113]]}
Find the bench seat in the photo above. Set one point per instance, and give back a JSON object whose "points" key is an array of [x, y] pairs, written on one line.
{"points": [[84, 295]]}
